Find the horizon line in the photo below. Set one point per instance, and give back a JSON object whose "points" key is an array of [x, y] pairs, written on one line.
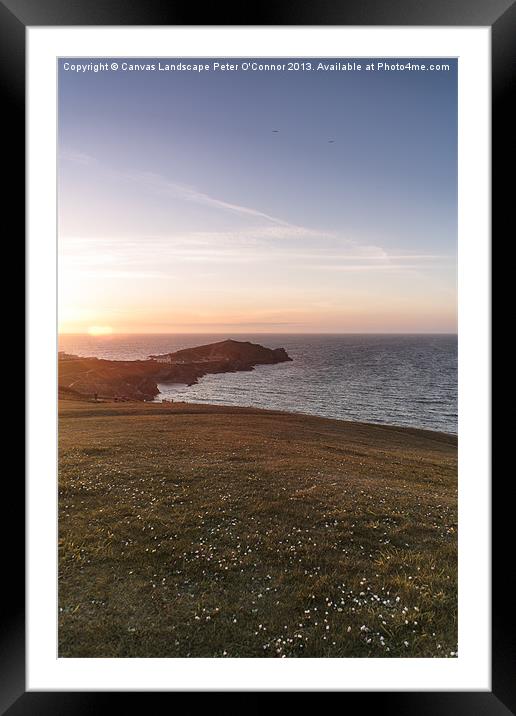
{"points": [[246, 333]]}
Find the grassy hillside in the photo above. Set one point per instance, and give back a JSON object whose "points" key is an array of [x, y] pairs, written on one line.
{"points": [[203, 531]]}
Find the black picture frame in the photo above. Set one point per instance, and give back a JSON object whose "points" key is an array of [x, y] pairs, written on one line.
{"points": [[15, 17]]}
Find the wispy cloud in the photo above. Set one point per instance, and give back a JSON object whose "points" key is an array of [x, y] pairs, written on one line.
{"points": [[162, 185], [367, 267], [162, 256], [129, 274], [188, 193], [268, 238], [71, 155]]}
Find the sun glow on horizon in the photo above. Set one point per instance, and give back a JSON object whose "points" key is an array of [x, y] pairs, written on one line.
{"points": [[100, 330]]}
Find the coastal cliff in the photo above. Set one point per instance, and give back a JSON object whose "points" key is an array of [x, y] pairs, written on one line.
{"points": [[138, 380]]}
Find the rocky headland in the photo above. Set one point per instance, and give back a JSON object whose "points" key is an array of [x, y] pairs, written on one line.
{"points": [[138, 380]]}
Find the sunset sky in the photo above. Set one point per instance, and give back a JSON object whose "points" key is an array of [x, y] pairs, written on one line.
{"points": [[181, 210]]}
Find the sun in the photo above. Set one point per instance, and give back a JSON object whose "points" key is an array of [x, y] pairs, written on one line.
{"points": [[100, 330]]}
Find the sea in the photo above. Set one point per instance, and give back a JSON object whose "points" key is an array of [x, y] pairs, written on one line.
{"points": [[406, 380]]}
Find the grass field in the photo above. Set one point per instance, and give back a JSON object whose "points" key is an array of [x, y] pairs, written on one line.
{"points": [[203, 531]]}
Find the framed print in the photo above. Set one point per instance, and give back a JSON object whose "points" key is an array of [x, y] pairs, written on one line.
{"points": [[258, 377]]}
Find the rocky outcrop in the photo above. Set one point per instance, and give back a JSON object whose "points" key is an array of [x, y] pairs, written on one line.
{"points": [[235, 352], [138, 380]]}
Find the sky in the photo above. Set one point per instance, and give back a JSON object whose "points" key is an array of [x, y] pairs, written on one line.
{"points": [[254, 201]]}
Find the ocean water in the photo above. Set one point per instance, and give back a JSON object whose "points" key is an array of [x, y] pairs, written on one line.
{"points": [[408, 380]]}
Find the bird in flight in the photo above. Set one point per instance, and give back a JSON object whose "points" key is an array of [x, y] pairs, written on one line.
{"points": [[275, 131], [331, 141]]}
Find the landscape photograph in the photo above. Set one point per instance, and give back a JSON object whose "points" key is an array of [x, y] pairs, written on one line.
{"points": [[257, 358]]}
